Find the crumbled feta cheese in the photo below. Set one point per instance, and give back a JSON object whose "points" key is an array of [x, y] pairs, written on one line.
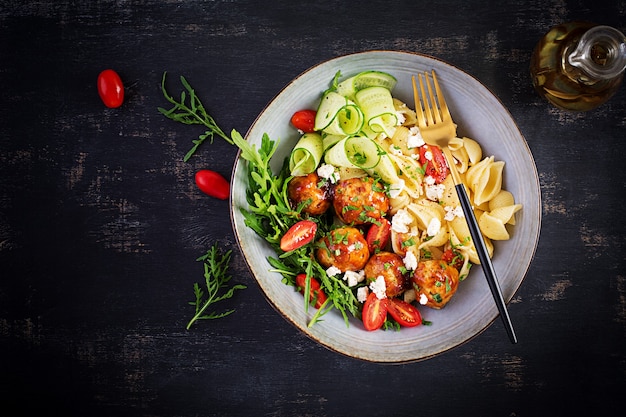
{"points": [[415, 139], [429, 180], [435, 192], [428, 155], [400, 221], [452, 212], [353, 278], [410, 261], [433, 226], [401, 117], [332, 271], [379, 287], [328, 172], [423, 299], [396, 188], [362, 293]]}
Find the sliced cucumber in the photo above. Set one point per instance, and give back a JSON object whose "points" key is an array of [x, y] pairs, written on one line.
{"points": [[330, 140], [355, 152], [378, 109], [349, 87], [337, 115], [306, 155]]}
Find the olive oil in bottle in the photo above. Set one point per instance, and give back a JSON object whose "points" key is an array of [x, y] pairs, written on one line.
{"points": [[579, 65]]}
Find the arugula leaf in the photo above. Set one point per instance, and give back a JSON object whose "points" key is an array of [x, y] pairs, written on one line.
{"points": [[216, 281], [191, 112]]}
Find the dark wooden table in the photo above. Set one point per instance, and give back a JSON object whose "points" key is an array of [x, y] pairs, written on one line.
{"points": [[101, 223]]}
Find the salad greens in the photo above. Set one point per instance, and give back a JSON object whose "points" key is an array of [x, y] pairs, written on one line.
{"points": [[216, 281], [268, 213], [190, 111]]}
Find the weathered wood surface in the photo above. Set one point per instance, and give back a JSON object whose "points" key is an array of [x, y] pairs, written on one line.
{"points": [[100, 222]]}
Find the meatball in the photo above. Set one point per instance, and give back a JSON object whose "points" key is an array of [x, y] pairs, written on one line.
{"points": [[435, 282], [345, 248], [360, 200], [307, 189], [390, 266]]}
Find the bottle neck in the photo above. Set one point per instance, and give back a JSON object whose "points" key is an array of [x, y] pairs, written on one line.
{"points": [[600, 53]]}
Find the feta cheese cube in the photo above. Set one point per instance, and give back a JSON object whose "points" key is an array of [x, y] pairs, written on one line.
{"points": [[433, 226], [410, 261], [379, 287], [401, 220]]}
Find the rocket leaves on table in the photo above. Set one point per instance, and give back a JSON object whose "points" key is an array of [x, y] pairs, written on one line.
{"points": [[190, 111], [216, 281]]}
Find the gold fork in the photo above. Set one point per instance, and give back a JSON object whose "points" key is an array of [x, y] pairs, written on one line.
{"points": [[437, 128]]}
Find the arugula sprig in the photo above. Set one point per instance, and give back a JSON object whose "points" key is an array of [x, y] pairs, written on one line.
{"points": [[216, 281], [269, 212], [190, 111]]}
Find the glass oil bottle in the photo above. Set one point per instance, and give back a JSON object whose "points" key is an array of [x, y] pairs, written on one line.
{"points": [[578, 66]]}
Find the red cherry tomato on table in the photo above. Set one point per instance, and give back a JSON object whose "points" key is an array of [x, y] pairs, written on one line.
{"points": [[298, 235], [374, 312], [315, 292], [435, 161], [378, 235], [110, 88], [213, 184], [404, 313], [304, 120]]}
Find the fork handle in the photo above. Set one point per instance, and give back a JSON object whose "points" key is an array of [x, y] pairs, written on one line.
{"points": [[485, 260]]}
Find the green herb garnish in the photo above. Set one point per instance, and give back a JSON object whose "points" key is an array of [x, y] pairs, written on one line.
{"points": [[216, 280], [190, 111]]}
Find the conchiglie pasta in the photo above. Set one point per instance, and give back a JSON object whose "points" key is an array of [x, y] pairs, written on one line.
{"points": [[473, 149], [485, 179], [492, 227], [506, 213], [502, 199], [410, 118]]}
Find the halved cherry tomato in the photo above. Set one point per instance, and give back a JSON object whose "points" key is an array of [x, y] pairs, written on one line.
{"points": [[315, 292], [452, 258], [378, 235], [110, 88], [436, 165], [404, 313], [374, 312], [212, 183], [298, 235], [304, 120]]}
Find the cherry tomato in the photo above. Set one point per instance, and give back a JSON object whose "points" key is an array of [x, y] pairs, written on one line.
{"points": [[378, 235], [374, 312], [436, 165], [315, 292], [110, 88], [304, 120], [298, 235], [452, 258], [404, 313], [213, 184]]}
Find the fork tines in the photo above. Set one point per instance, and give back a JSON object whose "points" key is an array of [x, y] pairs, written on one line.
{"points": [[432, 108]]}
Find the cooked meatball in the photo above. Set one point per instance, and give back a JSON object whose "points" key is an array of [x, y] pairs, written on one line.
{"points": [[435, 282], [390, 266], [344, 248], [359, 200], [307, 187]]}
